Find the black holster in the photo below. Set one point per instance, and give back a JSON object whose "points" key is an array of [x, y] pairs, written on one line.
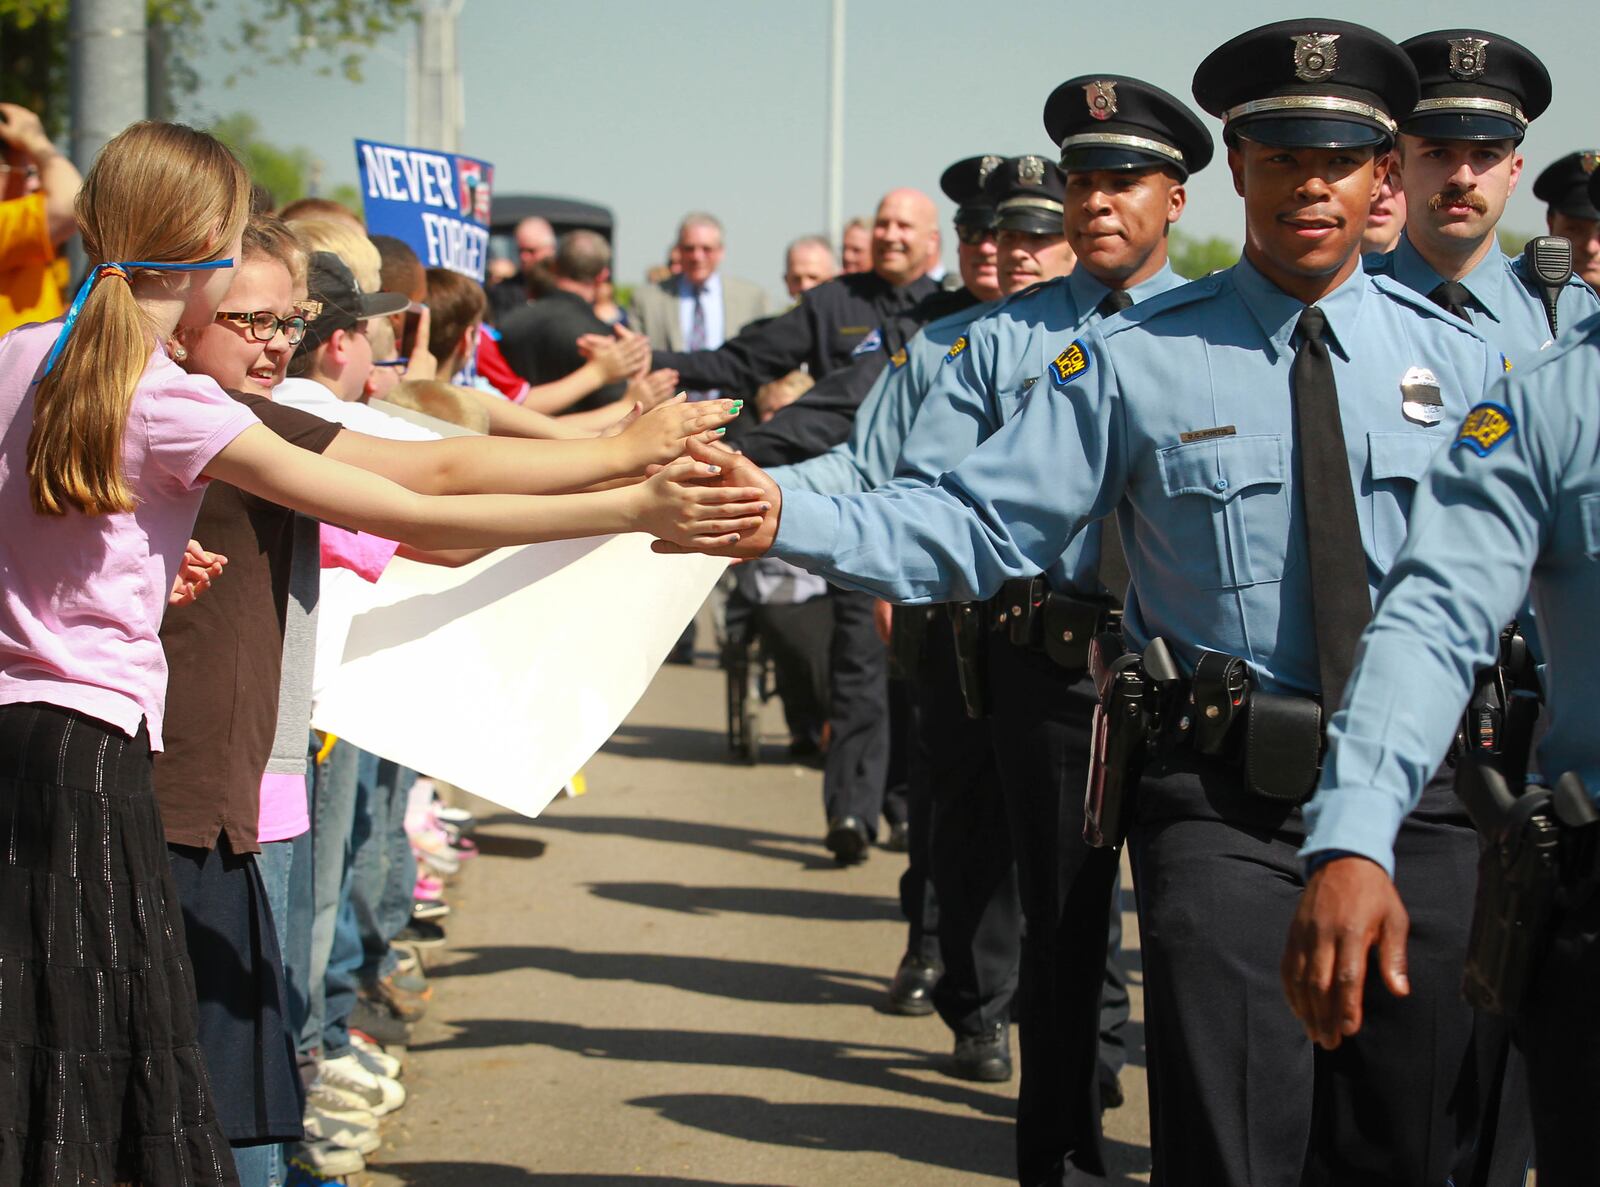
{"points": [[968, 624], [1519, 872], [1133, 695], [1504, 708]]}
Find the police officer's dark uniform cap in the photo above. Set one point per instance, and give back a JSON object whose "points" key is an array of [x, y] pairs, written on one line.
{"points": [[1028, 193], [1475, 86], [963, 184], [1565, 185], [330, 282], [1309, 83], [1594, 189], [1110, 121]]}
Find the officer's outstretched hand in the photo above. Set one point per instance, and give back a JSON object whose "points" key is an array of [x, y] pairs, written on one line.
{"points": [[1349, 906], [734, 471]]}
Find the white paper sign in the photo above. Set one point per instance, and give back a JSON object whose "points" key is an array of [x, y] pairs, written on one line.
{"points": [[505, 676]]}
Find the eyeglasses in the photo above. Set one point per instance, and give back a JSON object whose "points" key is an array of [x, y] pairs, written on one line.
{"points": [[30, 170], [264, 325], [396, 363], [972, 234]]}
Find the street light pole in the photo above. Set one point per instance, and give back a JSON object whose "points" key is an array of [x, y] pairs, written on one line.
{"points": [[835, 196], [107, 72]]}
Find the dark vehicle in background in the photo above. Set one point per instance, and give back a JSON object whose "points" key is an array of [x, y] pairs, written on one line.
{"points": [[564, 214]]}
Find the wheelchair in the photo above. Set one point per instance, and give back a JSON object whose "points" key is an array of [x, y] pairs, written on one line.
{"points": [[751, 682]]}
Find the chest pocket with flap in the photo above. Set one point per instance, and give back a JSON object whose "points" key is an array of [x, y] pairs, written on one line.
{"points": [[1227, 510]]}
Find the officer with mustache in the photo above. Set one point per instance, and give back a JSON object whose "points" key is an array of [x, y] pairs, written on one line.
{"points": [[1459, 163]]}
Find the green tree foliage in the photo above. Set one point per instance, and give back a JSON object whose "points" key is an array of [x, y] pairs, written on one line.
{"points": [[1193, 258], [182, 34], [1512, 242], [286, 172]]}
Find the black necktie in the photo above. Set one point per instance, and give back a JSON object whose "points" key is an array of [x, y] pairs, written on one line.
{"points": [[1340, 601], [1453, 297], [1113, 302]]}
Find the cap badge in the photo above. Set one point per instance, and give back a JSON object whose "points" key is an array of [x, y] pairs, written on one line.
{"points": [[1588, 160], [1469, 57], [1030, 170], [987, 166], [1315, 56], [1102, 99]]}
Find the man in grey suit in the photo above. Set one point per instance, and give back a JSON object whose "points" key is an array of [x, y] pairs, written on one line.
{"points": [[698, 309]]}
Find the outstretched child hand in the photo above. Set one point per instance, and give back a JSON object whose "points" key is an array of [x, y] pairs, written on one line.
{"points": [[731, 471], [689, 505], [659, 435]]}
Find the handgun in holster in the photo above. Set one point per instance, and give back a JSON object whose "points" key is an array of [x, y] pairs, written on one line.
{"points": [[969, 625], [1504, 707], [908, 633], [1131, 689], [1519, 873]]}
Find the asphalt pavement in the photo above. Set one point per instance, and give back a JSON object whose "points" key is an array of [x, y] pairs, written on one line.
{"points": [[667, 981]]}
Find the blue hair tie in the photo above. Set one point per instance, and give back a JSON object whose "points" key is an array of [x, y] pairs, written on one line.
{"points": [[115, 269]]}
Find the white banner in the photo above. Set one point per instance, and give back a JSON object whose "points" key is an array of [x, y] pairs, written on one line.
{"points": [[505, 676]]}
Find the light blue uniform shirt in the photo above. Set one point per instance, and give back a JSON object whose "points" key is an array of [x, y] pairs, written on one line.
{"points": [[1516, 497], [983, 385], [865, 460], [1509, 314], [1177, 415]]}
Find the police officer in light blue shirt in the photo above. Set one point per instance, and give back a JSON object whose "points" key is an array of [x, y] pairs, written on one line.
{"points": [[1127, 148], [1459, 162], [1259, 434], [1517, 497]]}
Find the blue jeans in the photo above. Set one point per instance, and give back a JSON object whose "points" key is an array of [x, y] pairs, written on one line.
{"points": [[383, 874], [263, 1166], [333, 812]]}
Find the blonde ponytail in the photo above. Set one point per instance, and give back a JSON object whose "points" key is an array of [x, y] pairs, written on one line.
{"points": [[162, 195]]}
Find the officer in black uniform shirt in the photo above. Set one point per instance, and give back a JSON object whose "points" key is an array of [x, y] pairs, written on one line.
{"points": [[834, 323]]}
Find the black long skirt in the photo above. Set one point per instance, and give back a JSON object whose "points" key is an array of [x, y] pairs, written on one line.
{"points": [[101, 1077]]}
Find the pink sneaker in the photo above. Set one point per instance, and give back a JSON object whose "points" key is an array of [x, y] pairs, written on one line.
{"points": [[429, 889]]}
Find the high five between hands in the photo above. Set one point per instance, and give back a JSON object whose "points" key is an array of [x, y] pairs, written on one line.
{"points": [[703, 495]]}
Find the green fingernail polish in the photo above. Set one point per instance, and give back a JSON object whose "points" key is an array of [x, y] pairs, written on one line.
{"points": [[721, 431]]}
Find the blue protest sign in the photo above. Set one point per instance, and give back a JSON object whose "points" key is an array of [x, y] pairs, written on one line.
{"points": [[436, 202]]}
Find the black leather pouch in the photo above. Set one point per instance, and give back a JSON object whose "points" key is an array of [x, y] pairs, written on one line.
{"points": [[1070, 625], [1283, 746]]}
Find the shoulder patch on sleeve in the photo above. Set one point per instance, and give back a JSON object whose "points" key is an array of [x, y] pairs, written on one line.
{"points": [[1486, 426], [956, 347], [1070, 363], [870, 343]]}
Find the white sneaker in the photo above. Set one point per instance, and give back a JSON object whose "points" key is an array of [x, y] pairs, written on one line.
{"points": [[335, 1128], [382, 1094], [326, 1160], [374, 1058], [350, 1106]]}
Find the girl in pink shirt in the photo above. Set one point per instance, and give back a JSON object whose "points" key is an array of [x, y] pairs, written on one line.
{"points": [[104, 448]]}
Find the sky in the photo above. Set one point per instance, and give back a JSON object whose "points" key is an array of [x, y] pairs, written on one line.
{"points": [[655, 109]]}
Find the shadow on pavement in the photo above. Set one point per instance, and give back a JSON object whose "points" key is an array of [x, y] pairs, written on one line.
{"points": [[508, 845], [976, 1145], [822, 905], [498, 1174], [869, 1065], [742, 980], [973, 1145], [806, 851], [670, 743]]}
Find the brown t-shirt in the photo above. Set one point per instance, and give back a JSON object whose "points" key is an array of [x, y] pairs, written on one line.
{"points": [[225, 656]]}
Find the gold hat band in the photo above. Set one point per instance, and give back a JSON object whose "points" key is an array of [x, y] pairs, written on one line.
{"points": [[1333, 104]]}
